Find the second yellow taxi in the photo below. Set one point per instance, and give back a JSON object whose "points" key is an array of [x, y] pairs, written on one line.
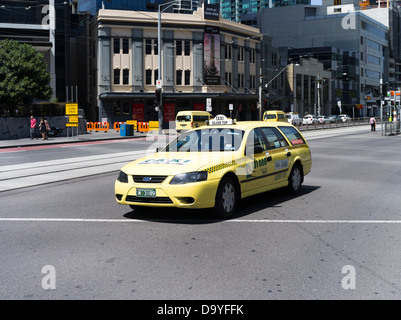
{"points": [[217, 165]]}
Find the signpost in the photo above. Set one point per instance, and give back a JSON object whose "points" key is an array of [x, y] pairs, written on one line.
{"points": [[71, 110]]}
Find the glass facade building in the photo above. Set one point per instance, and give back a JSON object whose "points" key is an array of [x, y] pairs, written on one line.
{"points": [[93, 6], [245, 10]]}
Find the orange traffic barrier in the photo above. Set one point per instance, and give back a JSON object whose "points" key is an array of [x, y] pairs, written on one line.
{"points": [[89, 126], [143, 126], [101, 126], [117, 125]]}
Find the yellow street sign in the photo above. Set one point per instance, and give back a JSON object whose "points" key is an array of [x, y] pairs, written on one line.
{"points": [[71, 108], [69, 124], [72, 118]]}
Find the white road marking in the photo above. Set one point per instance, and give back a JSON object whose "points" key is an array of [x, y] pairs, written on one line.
{"points": [[225, 221]]}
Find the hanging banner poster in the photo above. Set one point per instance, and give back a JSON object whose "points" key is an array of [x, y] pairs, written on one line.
{"points": [[199, 106], [169, 112], [138, 111], [211, 54]]}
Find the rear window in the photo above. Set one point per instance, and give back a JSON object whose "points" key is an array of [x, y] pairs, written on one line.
{"points": [[280, 116], [270, 116], [201, 118], [293, 135], [183, 118]]}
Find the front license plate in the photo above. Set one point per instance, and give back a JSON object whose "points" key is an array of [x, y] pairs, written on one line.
{"points": [[146, 193]]}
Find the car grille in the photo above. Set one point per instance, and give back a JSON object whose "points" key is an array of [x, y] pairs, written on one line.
{"points": [[153, 179], [148, 200]]}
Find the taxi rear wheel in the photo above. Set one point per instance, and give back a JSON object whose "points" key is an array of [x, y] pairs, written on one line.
{"points": [[295, 179], [226, 198]]}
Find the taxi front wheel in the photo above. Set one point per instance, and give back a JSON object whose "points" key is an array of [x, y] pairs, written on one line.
{"points": [[295, 179], [226, 198]]}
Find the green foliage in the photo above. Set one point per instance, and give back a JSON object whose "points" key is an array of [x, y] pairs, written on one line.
{"points": [[23, 74]]}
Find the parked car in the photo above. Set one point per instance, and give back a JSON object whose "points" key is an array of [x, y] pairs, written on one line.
{"points": [[309, 119], [334, 118], [345, 117], [323, 119], [294, 118]]}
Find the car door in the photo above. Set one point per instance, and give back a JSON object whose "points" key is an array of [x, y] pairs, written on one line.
{"points": [[256, 162], [279, 155]]}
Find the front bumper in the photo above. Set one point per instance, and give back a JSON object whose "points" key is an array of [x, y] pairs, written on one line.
{"points": [[194, 195]]}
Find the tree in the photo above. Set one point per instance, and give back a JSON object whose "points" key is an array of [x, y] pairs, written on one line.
{"points": [[23, 74]]}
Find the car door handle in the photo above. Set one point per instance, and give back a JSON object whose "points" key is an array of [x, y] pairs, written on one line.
{"points": [[269, 158], [288, 154]]}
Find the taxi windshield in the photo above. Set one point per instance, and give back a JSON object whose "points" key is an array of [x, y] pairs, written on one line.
{"points": [[206, 140]]}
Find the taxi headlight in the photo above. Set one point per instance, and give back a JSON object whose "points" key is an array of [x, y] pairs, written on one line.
{"points": [[189, 177], [122, 177]]}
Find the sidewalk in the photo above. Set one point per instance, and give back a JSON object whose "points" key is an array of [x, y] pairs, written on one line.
{"points": [[90, 136]]}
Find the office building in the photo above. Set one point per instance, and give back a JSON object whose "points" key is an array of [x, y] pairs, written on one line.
{"points": [[202, 57]]}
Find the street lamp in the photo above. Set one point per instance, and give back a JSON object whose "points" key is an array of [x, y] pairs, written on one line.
{"points": [[159, 78]]}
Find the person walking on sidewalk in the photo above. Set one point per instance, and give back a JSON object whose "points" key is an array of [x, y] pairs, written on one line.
{"points": [[43, 127], [32, 128], [372, 124]]}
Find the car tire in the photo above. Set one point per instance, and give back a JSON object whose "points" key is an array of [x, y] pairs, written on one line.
{"points": [[295, 179], [227, 197]]}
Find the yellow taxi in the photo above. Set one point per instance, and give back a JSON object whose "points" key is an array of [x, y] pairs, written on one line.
{"points": [[186, 120], [274, 115], [217, 165]]}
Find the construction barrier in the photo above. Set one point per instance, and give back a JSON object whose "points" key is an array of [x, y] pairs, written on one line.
{"points": [[89, 126], [101, 126], [143, 126], [153, 125], [117, 125]]}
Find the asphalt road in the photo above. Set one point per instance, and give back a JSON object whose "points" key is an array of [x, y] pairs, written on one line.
{"points": [[338, 239]]}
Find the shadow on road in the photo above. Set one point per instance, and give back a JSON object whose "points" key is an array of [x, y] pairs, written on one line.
{"points": [[247, 207]]}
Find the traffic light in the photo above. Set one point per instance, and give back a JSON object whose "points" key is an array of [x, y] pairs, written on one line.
{"points": [[265, 104], [158, 95]]}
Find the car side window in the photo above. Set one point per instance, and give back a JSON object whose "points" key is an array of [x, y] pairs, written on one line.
{"points": [[274, 138], [293, 135], [255, 142]]}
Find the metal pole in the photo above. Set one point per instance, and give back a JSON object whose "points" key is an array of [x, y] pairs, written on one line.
{"points": [[159, 28], [260, 94], [381, 104]]}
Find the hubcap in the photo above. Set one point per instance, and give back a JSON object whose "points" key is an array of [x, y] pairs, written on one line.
{"points": [[296, 179], [228, 197]]}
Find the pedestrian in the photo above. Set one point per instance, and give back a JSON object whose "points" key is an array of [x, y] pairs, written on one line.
{"points": [[33, 127], [43, 127], [372, 124]]}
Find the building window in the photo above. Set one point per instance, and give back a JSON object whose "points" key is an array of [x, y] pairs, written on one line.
{"points": [[337, 2], [241, 54], [125, 110], [116, 108], [253, 56], [126, 76], [252, 81], [156, 46], [187, 77], [227, 53], [116, 76], [148, 76], [156, 72], [116, 45], [228, 78], [125, 46], [240, 80], [179, 78], [178, 48], [148, 46], [187, 47]]}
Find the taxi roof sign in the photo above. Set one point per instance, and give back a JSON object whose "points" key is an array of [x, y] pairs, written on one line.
{"points": [[220, 119]]}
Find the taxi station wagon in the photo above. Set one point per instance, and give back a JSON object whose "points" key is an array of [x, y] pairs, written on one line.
{"points": [[217, 165]]}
